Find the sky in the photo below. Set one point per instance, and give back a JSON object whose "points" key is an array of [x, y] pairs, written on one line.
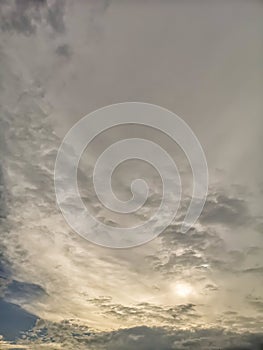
{"points": [[59, 61]]}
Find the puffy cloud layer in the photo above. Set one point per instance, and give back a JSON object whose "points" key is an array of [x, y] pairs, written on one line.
{"points": [[70, 336]]}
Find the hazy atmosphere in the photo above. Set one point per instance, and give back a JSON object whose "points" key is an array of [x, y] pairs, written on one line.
{"points": [[59, 61]]}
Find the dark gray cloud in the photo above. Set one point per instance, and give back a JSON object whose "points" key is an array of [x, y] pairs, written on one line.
{"points": [[63, 50], [17, 291], [55, 16], [24, 16], [3, 207], [222, 209], [145, 338]]}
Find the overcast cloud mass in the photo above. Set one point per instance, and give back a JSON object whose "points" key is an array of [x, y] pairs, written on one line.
{"points": [[60, 60]]}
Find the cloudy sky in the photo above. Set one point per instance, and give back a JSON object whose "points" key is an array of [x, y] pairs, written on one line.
{"points": [[60, 60]]}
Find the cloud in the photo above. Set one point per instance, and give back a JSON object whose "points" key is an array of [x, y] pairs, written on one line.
{"points": [[145, 338], [46, 256], [63, 50], [148, 312], [24, 16], [3, 206], [74, 336], [224, 210], [21, 292], [55, 16]]}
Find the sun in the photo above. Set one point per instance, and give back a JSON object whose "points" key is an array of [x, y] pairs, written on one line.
{"points": [[183, 289]]}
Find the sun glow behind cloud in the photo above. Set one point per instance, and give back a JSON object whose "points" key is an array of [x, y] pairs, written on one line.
{"points": [[183, 289]]}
